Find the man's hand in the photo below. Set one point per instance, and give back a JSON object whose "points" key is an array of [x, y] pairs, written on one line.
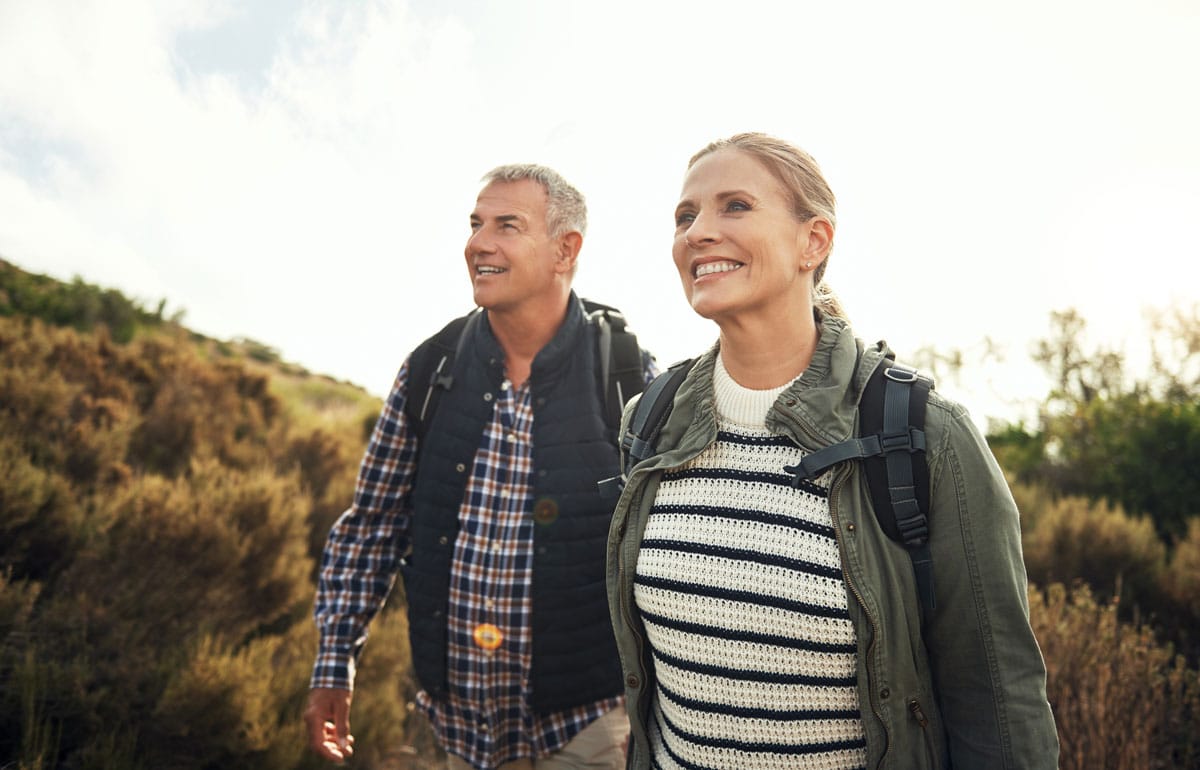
{"points": [[328, 718]]}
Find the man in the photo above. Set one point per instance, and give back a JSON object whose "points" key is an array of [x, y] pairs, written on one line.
{"points": [[501, 521]]}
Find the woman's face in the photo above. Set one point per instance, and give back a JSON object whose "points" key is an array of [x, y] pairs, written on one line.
{"points": [[739, 249]]}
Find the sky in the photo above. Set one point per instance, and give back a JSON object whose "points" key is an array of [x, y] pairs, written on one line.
{"points": [[301, 173]]}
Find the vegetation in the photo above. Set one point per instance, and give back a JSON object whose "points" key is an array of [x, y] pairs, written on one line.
{"points": [[166, 498], [163, 507]]}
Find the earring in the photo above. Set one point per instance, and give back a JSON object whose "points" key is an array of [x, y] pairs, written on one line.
{"points": [[807, 265]]}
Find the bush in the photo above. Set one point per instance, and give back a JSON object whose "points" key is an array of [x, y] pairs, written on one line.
{"points": [[1120, 700], [1072, 539]]}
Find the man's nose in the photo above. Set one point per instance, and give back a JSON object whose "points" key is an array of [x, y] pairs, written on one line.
{"points": [[480, 242]]}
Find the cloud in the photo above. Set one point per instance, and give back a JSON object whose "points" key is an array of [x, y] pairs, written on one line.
{"points": [[990, 165]]}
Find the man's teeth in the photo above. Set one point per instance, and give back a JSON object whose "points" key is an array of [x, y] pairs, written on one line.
{"points": [[489, 270], [716, 267]]}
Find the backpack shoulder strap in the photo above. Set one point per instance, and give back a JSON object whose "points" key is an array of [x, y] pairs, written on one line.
{"points": [[620, 360], [646, 422], [891, 444], [430, 370], [619, 356], [899, 478]]}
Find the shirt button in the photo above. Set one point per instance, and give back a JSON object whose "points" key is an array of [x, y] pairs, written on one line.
{"points": [[511, 438], [490, 604]]}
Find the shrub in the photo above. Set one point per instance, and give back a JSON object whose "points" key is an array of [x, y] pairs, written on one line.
{"points": [[1120, 700], [1073, 539]]}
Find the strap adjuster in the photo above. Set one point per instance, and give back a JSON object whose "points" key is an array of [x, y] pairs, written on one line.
{"points": [[898, 374]]}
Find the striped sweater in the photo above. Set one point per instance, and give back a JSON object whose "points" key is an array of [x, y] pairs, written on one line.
{"points": [[740, 587]]}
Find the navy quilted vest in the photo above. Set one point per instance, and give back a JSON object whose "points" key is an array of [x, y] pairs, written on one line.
{"points": [[574, 654]]}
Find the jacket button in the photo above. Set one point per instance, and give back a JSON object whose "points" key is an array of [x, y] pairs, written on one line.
{"points": [[884, 693], [850, 527], [460, 467], [632, 682], [487, 396], [443, 540], [545, 511]]}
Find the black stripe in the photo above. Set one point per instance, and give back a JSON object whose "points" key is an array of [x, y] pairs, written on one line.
{"points": [[752, 637], [749, 675], [773, 748], [750, 477], [740, 438], [762, 517], [743, 554], [717, 592], [778, 715]]}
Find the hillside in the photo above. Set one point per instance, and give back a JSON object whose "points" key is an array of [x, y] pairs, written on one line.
{"points": [[164, 503]]}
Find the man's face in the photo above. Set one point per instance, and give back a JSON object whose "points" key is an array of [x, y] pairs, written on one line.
{"points": [[510, 255]]}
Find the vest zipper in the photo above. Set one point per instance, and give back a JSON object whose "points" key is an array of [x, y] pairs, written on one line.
{"points": [[834, 491]]}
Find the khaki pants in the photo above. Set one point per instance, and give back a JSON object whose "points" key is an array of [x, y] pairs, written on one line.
{"points": [[600, 746]]}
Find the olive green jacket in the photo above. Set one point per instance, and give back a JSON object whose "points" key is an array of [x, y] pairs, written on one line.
{"points": [[966, 689]]}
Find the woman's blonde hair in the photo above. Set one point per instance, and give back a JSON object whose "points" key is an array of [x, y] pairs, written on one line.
{"points": [[811, 195]]}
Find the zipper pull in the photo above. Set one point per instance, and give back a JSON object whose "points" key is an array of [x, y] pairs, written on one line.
{"points": [[919, 713]]}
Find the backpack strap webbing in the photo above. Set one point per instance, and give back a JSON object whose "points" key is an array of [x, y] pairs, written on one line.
{"points": [[891, 444], [645, 423], [432, 366], [619, 356]]}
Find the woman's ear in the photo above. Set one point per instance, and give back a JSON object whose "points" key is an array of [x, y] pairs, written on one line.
{"points": [[818, 241]]}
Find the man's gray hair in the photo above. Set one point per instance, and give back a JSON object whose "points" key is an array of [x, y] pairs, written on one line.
{"points": [[566, 209]]}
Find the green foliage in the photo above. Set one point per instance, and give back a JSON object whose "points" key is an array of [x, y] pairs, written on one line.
{"points": [[1106, 437], [77, 304], [1105, 676], [1133, 451]]}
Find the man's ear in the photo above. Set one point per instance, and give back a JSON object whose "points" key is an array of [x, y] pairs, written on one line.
{"points": [[569, 245]]}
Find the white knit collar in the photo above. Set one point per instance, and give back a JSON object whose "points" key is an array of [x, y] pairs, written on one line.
{"points": [[739, 405]]}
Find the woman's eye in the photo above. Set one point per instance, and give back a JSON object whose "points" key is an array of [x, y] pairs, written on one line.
{"points": [[684, 218], [736, 205]]}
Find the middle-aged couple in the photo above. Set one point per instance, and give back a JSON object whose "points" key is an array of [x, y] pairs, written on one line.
{"points": [[720, 617]]}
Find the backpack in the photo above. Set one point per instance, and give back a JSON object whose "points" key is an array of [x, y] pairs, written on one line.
{"points": [[890, 444], [618, 354]]}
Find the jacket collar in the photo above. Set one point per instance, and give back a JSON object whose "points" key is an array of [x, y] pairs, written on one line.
{"points": [[817, 410], [556, 354]]}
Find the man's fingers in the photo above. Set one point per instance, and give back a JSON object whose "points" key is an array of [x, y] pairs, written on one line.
{"points": [[327, 716]]}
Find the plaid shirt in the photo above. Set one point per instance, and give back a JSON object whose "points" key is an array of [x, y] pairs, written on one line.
{"points": [[486, 718]]}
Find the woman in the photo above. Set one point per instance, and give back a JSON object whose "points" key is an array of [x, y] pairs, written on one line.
{"points": [[762, 625]]}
